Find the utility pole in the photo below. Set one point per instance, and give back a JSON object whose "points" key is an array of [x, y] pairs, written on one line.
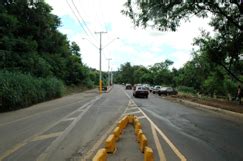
{"points": [[108, 82], [100, 49], [111, 77]]}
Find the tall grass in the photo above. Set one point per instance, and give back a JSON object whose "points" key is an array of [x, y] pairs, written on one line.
{"points": [[20, 90]]}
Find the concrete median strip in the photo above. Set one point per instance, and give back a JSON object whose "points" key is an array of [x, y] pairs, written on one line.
{"points": [[155, 130], [110, 142]]}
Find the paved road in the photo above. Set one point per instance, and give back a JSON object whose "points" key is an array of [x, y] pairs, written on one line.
{"points": [[73, 127], [60, 129], [197, 135]]}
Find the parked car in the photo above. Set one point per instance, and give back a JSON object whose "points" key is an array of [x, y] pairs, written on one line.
{"points": [[151, 89], [146, 86], [128, 86], [140, 91], [156, 89], [167, 91]]}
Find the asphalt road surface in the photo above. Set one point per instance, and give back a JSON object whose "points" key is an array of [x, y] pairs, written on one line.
{"points": [[74, 127]]}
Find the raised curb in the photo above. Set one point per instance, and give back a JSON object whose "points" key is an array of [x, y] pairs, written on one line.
{"points": [[109, 89], [211, 108]]}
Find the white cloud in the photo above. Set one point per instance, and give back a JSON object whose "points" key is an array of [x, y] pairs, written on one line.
{"points": [[136, 45]]}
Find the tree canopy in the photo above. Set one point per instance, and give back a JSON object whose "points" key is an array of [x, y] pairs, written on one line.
{"points": [[31, 43], [223, 49]]}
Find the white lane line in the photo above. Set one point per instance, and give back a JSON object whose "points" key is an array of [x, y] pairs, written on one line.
{"points": [[132, 113], [126, 94], [141, 117], [27, 117], [158, 145], [172, 146], [46, 154], [88, 155], [167, 140], [131, 108], [70, 119], [28, 140]]}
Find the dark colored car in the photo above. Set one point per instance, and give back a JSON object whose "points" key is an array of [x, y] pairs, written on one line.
{"points": [[167, 91], [140, 92], [128, 86]]}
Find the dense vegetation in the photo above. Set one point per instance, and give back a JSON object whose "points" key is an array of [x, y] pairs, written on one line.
{"points": [[36, 60], [216, 67]]}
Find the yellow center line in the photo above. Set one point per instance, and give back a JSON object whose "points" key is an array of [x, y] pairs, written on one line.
{"points": [[158, 145], [167, 140]]}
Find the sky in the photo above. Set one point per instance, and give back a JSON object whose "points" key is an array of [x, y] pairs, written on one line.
{"points": [[138, 46]]}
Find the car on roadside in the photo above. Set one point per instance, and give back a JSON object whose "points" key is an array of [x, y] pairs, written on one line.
{"points": [[156, 89], [151, 89], [140, 91], [146, 86], [128, 86], [167, 91]]}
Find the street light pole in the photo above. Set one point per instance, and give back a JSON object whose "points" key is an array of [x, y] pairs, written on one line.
{"points": [[111, 77], [100, 50], [108, 82]]}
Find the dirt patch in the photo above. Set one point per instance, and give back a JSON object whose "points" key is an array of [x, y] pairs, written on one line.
{"points": [[218, 103]]}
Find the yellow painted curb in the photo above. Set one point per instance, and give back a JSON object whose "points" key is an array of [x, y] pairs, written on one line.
{"points": [[148, 154], [138, 126], [143, 143], [125, 121], [110, 144], [101, 155], [139, 134], [117, 133], [131, 118]]}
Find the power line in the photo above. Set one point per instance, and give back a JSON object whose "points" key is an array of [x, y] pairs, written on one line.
{"points": [[77, 18], [83, 20], [102, 15]]}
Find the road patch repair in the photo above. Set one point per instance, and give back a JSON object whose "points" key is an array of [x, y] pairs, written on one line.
{"points": [[135, 138]]}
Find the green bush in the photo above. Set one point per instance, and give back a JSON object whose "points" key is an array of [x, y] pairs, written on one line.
{"points": [[19, 90], [186, 89], [230, 87]]}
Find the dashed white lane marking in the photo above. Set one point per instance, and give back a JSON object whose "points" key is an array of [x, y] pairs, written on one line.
{"points": [[46, 154], [16, 147]]}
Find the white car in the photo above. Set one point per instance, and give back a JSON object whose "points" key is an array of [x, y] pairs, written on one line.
{"points": [[156, 89]]}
